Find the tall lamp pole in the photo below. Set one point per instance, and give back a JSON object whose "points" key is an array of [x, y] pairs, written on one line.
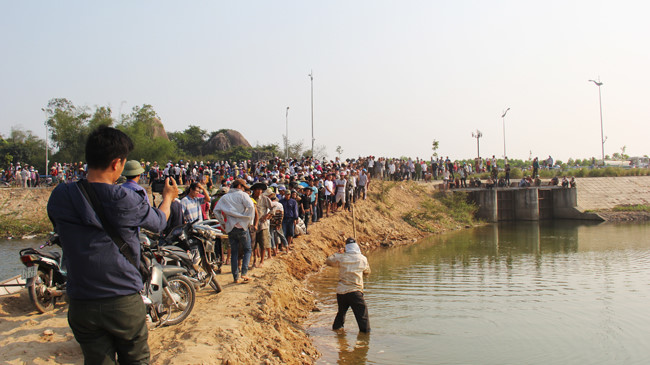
{"points": [[286, 136], [477, 135], [311, 77], [46, 144], [503, 118], [602, 135]]}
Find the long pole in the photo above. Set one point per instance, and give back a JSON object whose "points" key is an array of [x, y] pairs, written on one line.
{"points": [[503, 118], [286, 136], [602, 134], [46, 144], [46, 148], [311, 77]]}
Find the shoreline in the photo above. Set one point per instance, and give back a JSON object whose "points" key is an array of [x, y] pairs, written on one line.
{"points": [[259, 322]]}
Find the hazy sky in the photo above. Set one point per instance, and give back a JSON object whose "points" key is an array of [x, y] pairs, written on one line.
{"points": [[389, 76]]}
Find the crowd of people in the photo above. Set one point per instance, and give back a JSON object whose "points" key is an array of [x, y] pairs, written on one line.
{"points": [[452, 174], [262, 205], [26, 176]]}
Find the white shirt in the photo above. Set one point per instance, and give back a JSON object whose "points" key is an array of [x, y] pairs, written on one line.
{"points": [[329, 186], [238, 208]]}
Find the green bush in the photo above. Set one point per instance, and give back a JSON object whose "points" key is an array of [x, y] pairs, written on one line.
{"points": [[516, 173]]}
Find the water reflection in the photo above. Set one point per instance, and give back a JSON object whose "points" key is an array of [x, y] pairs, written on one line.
{"points": [[555, 292], [355, 353]]}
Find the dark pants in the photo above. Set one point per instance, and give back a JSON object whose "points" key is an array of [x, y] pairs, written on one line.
{"points": [[240, 242], [358, 304], [108, 327]]}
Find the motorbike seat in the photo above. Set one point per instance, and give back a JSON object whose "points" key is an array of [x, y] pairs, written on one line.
{"points": [[52, 255]]}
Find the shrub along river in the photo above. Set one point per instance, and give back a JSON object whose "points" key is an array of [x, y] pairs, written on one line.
{"points": [[553, 292]]}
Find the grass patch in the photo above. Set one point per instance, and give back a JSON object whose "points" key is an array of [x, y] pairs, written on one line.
{"points": [[10, 226], [457, 206], [445, 210], [632, 208], [384, 187]]}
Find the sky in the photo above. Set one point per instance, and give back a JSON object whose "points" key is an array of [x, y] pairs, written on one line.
{"points": [[389, 76]]}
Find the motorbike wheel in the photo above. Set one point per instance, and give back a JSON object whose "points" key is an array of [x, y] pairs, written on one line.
{"points": [[185, 295], [38, 292]]}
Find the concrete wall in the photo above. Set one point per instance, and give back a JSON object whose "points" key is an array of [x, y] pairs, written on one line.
{"points": [[526, 204]]}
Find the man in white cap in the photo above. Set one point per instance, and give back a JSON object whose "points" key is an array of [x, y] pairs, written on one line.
{"points": [[349, 292]]}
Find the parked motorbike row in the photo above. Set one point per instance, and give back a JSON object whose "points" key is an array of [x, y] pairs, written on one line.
{"points": [[174, 266]]}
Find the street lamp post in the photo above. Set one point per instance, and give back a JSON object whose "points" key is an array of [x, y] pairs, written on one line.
{"points": [[46, 144], [477, 135], [602, 135], [311, 77], [286, 136], [503, 118]]}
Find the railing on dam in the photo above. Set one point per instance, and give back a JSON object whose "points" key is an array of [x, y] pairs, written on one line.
{"points": [[530, 204]]}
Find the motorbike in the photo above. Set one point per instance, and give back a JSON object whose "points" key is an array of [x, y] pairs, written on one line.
{"points": [[44, 274], [168, 294], [195, 246]]}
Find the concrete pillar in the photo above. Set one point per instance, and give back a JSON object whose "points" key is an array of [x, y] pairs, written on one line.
{"points": [[526, 204], [565, 202], [486, 200]]}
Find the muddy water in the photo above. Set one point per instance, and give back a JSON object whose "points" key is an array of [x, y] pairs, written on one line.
{"points": [[10, 264], [524, 293]]}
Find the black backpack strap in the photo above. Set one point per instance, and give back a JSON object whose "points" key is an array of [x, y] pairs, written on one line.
{"points": [[89, 193]]}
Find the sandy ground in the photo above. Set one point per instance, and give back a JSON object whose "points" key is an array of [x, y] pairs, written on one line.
{"points": [[255, 323]]}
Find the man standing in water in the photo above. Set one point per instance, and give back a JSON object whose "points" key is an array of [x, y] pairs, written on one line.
{"points": [[349, 292]]}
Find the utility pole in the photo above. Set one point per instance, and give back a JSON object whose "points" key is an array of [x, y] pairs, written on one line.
{"points": [[503, 118], [286, 136], [46, 145], [311, 77], [602, 135]]}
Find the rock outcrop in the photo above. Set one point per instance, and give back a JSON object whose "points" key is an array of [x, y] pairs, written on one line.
{"points": [[225, 140]]}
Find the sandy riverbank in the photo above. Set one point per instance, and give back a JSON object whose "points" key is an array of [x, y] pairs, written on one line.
{"points": [[255, 323]]}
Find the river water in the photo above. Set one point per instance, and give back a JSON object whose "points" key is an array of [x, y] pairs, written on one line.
{"points": [[517, 293], [10, 264]]}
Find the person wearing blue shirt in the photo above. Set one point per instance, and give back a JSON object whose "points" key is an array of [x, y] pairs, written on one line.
{"points": [[192, 202], [106, 312], [132, 171], [291, 214]]}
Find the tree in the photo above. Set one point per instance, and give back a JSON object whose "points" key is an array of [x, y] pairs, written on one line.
{"points": [[319, 154], [434, 147], [23, 146], [140, 125], [339, 150], [295, 149], [191, 141], [69, 128]]}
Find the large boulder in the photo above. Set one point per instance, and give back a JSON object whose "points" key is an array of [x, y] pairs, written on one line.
{"points": [[158, 130], [226, 140]]}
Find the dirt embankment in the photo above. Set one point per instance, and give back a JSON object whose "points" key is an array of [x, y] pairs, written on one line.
{"points": [[255, 323], [23, 212]]}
